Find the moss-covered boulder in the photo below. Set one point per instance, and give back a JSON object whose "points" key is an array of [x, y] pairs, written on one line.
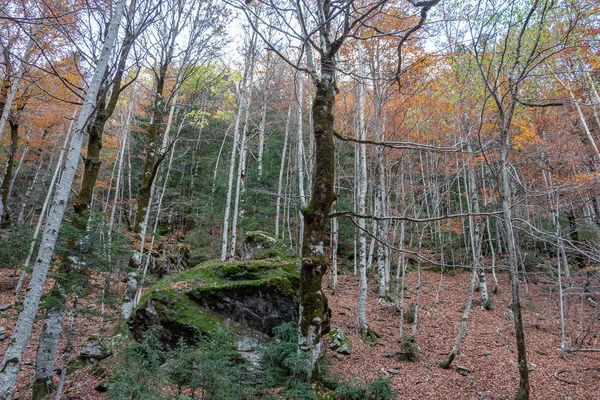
{"points": [[340, 342], [258, 245], [258, 295]]}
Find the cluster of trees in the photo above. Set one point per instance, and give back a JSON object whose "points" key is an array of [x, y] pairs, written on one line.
{"points": [[365, 134]]}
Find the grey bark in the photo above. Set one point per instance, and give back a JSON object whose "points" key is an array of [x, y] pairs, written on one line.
{"points": [[14, 352]]}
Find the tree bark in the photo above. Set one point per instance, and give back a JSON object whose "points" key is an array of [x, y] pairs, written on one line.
{"points": [[14, 352], [286, 134], [4, 187], [92, 161], [314, 313], [44, 363]]}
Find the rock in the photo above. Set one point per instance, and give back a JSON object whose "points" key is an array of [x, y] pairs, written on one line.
{"points": [[4, 307], [94, 348], [251, 298], [463, 370], [92, 306], [3, 334], [340, 342], [259, 245]]}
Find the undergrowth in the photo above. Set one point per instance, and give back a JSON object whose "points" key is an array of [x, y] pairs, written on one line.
{"points": [[211, 370]]}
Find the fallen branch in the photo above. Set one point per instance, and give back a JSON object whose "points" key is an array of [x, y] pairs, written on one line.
{"points": [[556, 375]]}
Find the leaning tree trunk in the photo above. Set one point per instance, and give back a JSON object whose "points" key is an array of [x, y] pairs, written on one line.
{"points": [[46, 354], [14, 352], [463, 324], [314, 314]]}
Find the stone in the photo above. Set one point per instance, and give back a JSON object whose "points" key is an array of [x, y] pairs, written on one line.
{"points": [[4, 307], [259, 245], [463, 370], [340, 342], [94, 348], [249, 298], [3, 334]]}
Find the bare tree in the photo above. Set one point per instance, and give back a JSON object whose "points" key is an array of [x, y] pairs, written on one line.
{"points": [[323, 28]]}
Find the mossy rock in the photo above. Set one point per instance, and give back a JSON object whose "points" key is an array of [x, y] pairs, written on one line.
{"points": [[340, 342], [260, 245], [259, 295]]}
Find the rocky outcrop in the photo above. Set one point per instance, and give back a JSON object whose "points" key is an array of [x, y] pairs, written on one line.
{"points": [[251, 298], [258, 245]]}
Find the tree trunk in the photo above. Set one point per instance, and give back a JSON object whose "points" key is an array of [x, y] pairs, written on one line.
{"points": [[4, 187], [92, 162], [234, 148], [44, 207], [314, 313], [46, 354], [20, 337], [463, 324], [300, 161], [505, 193], [286, 134], [476, 236], [14, 87]]}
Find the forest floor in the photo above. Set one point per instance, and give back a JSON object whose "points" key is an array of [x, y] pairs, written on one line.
{"points": [[488, 350]]}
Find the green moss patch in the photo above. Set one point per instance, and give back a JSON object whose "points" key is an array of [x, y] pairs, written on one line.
{"points": [[260, 294]]}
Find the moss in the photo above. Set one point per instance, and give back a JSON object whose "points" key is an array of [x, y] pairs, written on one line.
{"points": [[181, 300], [76, 364], [178, 309]]}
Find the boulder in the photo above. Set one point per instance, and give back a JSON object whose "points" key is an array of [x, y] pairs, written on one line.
{"points": [[259, 245], [340, 342], [94, 348], [250, 298]]}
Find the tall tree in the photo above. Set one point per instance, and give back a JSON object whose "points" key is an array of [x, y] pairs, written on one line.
{"points": [[14, 352], [323, 28]]}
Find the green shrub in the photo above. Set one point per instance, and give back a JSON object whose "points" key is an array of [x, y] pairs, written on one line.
{"points": [[408, 349], [381, 389], [281, 360], [138, 375], [409, 313], [209, 368], [350, 391]]}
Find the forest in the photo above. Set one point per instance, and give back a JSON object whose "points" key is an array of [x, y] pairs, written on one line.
{"points": [[299, 199]]}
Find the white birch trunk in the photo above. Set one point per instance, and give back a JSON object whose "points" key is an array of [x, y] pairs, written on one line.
{"points": [[20, 337], [38, 226], [261, 132], [46, 354], [476, 237], [241, 172], [234, 149], [18, 169], [300, 163], [362, 197], [286, 134]]}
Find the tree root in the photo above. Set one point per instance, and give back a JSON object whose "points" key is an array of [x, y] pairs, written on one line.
{"points": [[369, 336], [448, 361]]}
